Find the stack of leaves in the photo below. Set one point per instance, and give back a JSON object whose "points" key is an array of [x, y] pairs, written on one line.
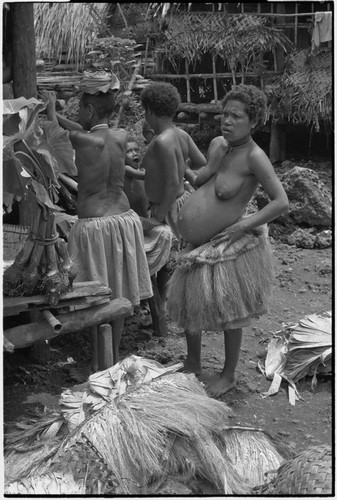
{"points": [[304, 349], [35, 152]]}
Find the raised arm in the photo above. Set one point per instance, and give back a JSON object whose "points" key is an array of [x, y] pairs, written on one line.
{"points": [[195, 156], [133, 173], [216, 151], [50, 100]]}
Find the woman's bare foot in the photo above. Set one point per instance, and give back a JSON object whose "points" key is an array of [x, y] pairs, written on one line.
{"points": [[218, 385], [192, 367]]}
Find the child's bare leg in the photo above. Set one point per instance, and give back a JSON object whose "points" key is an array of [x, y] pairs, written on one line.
{"points": [[220, 384], [193, 361], [162, 280], [117, 330]]}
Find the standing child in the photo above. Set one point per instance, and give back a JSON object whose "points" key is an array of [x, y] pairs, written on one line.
{"points": [[166, 156]]}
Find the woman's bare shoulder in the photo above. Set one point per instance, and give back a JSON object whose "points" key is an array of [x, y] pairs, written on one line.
{"points": [[257, 157]]}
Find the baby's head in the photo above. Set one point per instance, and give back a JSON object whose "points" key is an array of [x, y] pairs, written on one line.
{"points": [[147, 132], [133, 151]]}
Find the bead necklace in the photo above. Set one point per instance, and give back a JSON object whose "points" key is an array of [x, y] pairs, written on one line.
{"points": [[230, 148], [100, 125]]}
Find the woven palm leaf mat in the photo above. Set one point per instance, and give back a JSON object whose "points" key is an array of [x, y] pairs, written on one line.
{"points": [[309, 473]]}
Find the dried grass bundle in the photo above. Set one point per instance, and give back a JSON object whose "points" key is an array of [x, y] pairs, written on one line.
{"points": [[163, 427]]}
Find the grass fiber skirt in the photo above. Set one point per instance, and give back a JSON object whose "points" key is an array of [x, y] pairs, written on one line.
{"points": [[217, 288]]}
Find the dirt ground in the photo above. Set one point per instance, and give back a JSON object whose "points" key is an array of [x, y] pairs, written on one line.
{"points": [[303, 285]]}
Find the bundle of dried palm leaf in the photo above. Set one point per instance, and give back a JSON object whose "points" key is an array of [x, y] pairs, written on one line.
{"points": [[304, 349], [145, 423]]}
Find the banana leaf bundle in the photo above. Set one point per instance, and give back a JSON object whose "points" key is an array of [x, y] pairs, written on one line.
{"points": [[304, 349], [35, 152], [139, 424]]}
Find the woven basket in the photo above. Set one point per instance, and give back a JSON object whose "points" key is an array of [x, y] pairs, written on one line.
{"points": [[309, 473], [14, 238]]}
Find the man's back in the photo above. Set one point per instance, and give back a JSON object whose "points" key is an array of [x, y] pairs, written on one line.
{"points": [[100, 158]]}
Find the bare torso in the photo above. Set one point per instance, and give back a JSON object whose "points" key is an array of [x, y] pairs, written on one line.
{"points": [[100, 159], [177, 142], [222, 200]]}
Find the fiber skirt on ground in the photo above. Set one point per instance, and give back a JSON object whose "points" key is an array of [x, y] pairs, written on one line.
{"points": [[111, 250], [216, 288]]}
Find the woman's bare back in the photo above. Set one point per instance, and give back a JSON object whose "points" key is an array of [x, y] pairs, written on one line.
{"points": [[100, 161]]}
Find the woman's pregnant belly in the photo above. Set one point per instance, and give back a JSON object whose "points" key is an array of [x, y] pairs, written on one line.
{"points": [[204, 215]]}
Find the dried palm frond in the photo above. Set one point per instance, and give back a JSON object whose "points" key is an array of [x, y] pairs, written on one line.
{"points": [[237, 38], [310, 347], [304, 349], [67, 28], [303, 93]]}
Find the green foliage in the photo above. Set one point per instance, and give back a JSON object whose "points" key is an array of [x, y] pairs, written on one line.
{"points": [[34, 152]]}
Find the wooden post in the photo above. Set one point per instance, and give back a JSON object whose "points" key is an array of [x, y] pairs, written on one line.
{"points": [[104, 345], [94, 347], [215, 86], [277, 145], [40, 351], [296, 25], [188, 90], [24, 57], [146, 55]]}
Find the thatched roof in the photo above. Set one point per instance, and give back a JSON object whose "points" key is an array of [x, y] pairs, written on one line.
{"points": [[303, 94], [67, 28], [234, 37]]}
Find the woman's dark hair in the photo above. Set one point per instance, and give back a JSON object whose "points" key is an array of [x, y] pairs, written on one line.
{"points": [[254, 100], [162, 99], [103, 104]]}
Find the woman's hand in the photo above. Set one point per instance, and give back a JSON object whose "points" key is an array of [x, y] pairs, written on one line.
{"points": [[230, 234], [50, 99]]}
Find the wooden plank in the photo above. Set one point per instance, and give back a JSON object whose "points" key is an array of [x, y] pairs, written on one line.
{"points": [[90, 289], [25, 335]]}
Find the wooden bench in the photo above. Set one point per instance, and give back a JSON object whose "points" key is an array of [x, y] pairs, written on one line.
{"points": [[88, 305]]}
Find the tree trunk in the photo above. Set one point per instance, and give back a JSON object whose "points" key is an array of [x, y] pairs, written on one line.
{"points": [[24, 58]]}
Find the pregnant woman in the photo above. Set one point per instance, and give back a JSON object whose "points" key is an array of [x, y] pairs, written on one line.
{"points": [[223, 279]]}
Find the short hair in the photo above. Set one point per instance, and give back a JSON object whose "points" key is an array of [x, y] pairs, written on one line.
{"points": [[161, 98], [103, 103], [254, 100]]}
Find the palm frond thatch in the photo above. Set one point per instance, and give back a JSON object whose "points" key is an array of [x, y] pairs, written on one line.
{"points": [[237, 37], [303, 93], [63, 28]]}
